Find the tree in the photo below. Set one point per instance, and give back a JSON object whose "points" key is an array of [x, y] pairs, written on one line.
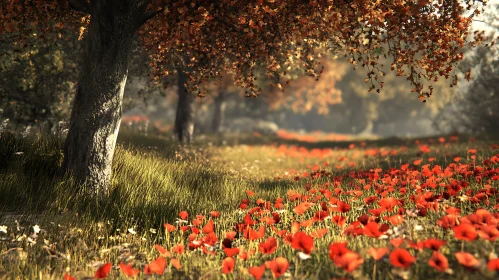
{"points": [[425, 38]]}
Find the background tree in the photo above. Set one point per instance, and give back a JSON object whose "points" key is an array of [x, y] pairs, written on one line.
{"points": [[424, 38]]}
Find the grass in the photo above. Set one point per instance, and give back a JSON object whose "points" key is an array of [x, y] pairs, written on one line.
{"points": [[154, 180]]}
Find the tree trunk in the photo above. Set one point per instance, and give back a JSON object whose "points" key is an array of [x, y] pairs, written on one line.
{"points": [[218, 114], [96, 112], [184, 120]]}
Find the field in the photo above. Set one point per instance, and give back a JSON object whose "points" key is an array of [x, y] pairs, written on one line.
{"points": [[256, 207]]}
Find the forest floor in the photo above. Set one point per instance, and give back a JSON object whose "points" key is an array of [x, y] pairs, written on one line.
{"points": [[256, 207]]}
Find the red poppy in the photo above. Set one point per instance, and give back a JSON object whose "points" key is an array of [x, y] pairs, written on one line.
{"points": [[433, 244], [307, 223], [278, 266], [493, 265], [257, 271], [183, 215], [320, 215], [301, 208], [268, 246], [68, 277], [489, 233], [339, 220], [230, 252], [349, 261], [467, 260], [396, 242], [169, 228], [378, 254], [439, 261], [401, 258], [129, 270], [209, 227], [175, 263], [252, 234], [447, 221], [372, 229], [244, 255], [319, 233], [215, 214], [179, 249], [228, 265], [396, 219], [249, 193], [342, 206], [465, 232], [337, 249], [417, 162], [103, 271], [162, 250], [302, 241], [370, 199], [389, 203], [230, 234], [156, 267]]}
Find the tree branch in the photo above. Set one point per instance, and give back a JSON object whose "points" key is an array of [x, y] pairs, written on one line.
{"points": [[81, 6]]}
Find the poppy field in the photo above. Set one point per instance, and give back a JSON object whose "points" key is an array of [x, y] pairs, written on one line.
{"points": [[415, 209]]}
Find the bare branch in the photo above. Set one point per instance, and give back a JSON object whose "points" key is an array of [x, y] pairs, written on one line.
{"points": [[81, 6]]}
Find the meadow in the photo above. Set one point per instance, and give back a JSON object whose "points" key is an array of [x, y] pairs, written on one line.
{"points": [[256, 207]]}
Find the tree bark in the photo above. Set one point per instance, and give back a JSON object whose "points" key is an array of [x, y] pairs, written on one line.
{"points": [[218, 113], [184, 119], [96, 113]]}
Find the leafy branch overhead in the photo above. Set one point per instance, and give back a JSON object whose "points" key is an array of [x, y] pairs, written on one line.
{"points": [[424, 37]]}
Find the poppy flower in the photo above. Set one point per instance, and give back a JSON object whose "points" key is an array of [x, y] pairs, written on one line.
{"points": [[250, 193], [439, 261], [156, 267], [230, 252], [245, 254], [268, 246], [320, 215], [230, 234], [337, 249], [257, 271], [252, 234], [349, 261], [68, 277], [396, 242], [467, 260], [319, 233], [169, 228], [215, 214], [372, 229], [129, 270], [209, 227], [278, 266], [339, 220], [307, 223], [465, 232], [184, 215], [228, 265], [302, 241], [378, 254], [433, 244], [401, 258], [301, 208], [179, 249], [493, 265], [175, 263], [162, 250], [103, 271], [489, 233]]}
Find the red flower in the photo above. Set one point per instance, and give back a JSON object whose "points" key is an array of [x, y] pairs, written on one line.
{"points": [[302, 241], [493, 265], [228, 265], [252, 234], [378, 254], [320, 215], [175, 263], [179, 249], [230, 252], [209, 227], [465, 232], [349, 261], [401, 258], [467, 260], [339, 220], [68, 277], [489, 233], [301, 208], [184, 215], [337, 250], [103, 271], [129, 270], [397, 241], [215, 214], [372, 229], [439, 261], [433, 244], [278, 266], [268, 246], [170, 228], [156, 267], [319, 233], [257, 271], [162, 250]]}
